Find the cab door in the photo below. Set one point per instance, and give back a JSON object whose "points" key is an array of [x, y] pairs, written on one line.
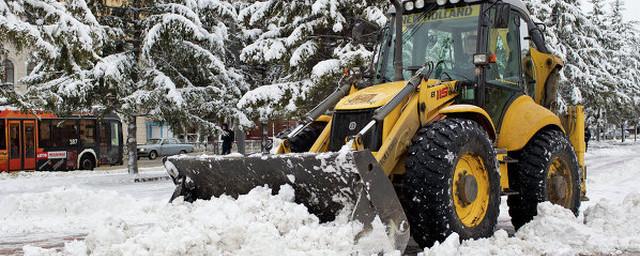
{"points": [[15, 145], [29, 145], [504, 77]]}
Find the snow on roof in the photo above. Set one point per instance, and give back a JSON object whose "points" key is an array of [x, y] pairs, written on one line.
{"points": [[8, 107], [518, 4]]}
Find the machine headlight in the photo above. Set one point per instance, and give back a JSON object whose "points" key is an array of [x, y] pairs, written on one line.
{"points": [[441, 2], [141, 149], [408, 6], [419, 4]]}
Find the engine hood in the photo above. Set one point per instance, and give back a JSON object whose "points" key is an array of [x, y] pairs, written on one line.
{"points": [[371, 97]]}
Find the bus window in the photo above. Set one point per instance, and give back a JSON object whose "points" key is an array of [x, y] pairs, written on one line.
{"points": [[115, 138], [44, 134], [65, 133], [3, 139], [88, 133], [103, 139]]}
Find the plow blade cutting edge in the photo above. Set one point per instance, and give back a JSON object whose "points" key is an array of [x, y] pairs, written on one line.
{"points": [[326, 183]]}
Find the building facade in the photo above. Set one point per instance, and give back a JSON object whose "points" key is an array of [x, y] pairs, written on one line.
{"points": [[15, 66]]}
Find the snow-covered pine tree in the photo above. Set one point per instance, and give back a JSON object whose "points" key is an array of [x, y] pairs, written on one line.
{"points": [[62, 36], [305, 45], [188, 56], [177, 70], [573, 36], [626, 66], [596, 112]]}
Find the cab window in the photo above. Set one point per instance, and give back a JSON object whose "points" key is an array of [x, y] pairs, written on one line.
{"points": [[504, 43], [504, 77], [528, 69]]}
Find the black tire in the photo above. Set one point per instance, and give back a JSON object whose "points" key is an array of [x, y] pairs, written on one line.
{"points": [[529, 176], [305, 138], [182, 152], [427, 188], [87, 162], [153, 155]]}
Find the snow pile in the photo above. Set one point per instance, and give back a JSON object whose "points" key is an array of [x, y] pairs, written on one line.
{"points": [[258, 223], [65, 210], [607, 228]]}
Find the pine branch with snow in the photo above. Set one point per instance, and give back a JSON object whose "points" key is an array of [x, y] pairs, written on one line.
{"points": [[309, 43]]}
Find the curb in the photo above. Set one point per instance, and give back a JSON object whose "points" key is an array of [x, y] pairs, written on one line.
{"points": [[151, 179]]}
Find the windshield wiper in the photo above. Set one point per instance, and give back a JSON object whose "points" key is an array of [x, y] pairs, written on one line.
{"points": [[413, 29]]}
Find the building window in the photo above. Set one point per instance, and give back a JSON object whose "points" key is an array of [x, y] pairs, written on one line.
{"points": [[30, 67], [8, 76]]}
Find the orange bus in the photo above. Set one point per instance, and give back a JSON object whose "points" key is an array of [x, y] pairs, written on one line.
{"points": [[45, 142]]}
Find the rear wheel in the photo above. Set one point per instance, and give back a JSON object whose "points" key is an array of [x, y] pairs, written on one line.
{"points": [[452, 183], [182, 152], [153, 155], [547, 170], [87, 162]]}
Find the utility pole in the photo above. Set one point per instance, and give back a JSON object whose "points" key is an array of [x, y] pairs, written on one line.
{"points": [[240, 139]]}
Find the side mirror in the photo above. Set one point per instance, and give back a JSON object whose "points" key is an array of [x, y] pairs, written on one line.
{"points": [[363, 29], [541, 26], [503, 14]]}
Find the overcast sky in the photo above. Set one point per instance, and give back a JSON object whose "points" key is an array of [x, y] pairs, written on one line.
{"points": [[632, 7]]}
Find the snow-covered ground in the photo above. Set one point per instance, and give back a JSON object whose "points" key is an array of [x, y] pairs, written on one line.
{"points": [[109, 214]]}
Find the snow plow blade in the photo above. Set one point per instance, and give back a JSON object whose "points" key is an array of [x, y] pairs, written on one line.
{"points": [[326, 183]]}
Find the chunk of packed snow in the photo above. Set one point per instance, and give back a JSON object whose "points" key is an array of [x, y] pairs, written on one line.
{"points": [[607, 229], [258, 223]]}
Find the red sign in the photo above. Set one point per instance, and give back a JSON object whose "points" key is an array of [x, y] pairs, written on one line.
{"points": [[53, 155]]}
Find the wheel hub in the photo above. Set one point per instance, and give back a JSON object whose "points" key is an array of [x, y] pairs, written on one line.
{"points": [[467, 189], [559, 187], [470, 190]]}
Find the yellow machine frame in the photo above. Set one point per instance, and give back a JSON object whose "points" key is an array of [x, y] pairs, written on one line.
{"points": [[435, 101]]}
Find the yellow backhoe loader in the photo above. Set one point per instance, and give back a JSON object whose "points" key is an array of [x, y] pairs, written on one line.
{"points": [[459, 112]]}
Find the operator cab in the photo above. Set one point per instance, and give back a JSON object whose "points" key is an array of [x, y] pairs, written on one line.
{"points": [[485, 46]]}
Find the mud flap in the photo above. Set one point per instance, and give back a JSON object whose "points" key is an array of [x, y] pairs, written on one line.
{"points": [[326, 183]]}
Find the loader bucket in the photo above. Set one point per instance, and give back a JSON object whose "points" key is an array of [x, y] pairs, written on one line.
{"points": [[326, 183]]}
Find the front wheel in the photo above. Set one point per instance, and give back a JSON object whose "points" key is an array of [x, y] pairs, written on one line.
{"points": [[153, 155], [452, 182], [547, 170]]}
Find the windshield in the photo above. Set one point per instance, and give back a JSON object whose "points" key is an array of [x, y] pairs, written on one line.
{"points": [[447, 35], [154, 141]]}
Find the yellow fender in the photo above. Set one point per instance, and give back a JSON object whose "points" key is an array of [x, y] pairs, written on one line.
{"points": [[523, 120], [474, 113]]}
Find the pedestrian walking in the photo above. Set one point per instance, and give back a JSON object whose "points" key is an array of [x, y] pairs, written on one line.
{"points": [[587, 137], [227, 139]]}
